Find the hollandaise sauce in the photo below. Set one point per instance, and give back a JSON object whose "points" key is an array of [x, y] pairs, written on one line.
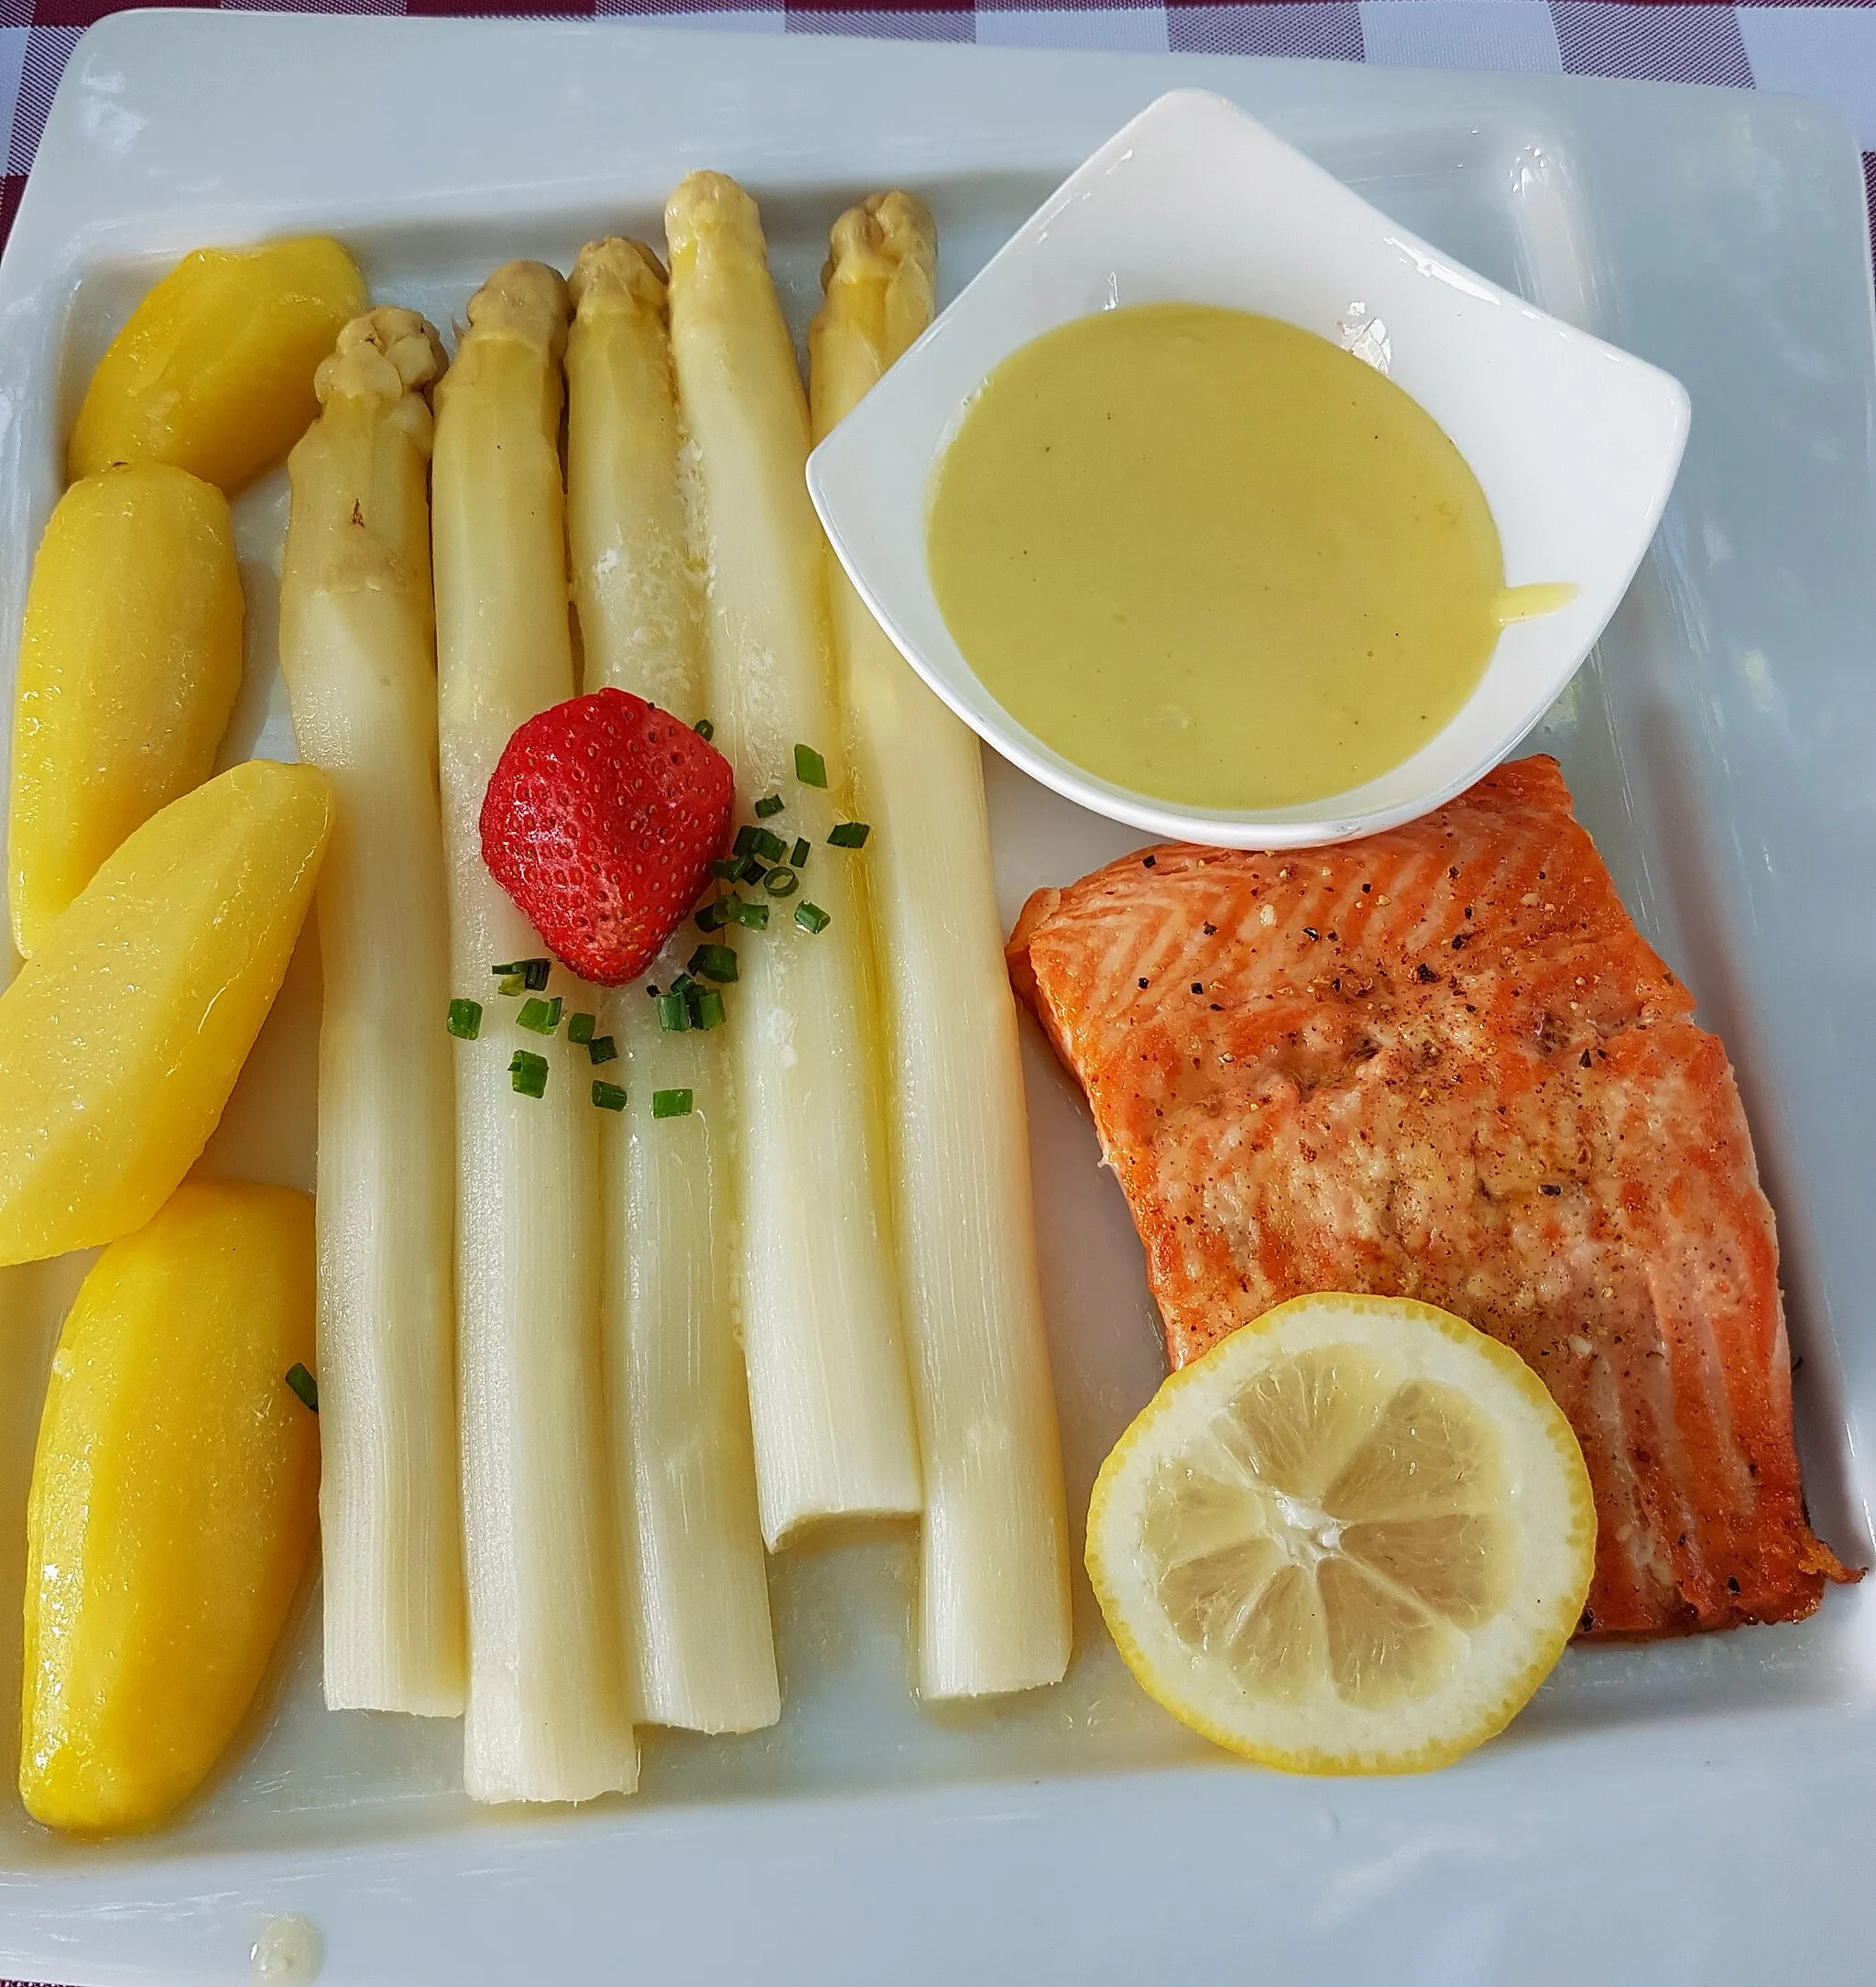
{"points": [[1215, 558]]}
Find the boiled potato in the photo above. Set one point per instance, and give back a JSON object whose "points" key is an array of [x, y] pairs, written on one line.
{"points": [[129, 665], [213, 372], [124, 1032], [174, 1499]]}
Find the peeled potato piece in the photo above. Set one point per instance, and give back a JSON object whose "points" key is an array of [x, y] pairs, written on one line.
{"points": [[174, 1499], [213, 372], [129, 665], [123, 1034]]}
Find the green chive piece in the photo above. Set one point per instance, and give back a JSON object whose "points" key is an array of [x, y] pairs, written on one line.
{"points": [[746, 839], [781, 883], [465, 1020], [704, 730], [535, 972], [602, 1049], [305, 1385], [528, 1072], [748, 870], [811, 918], [514, 984], [706, 1008], [726, 868], [501, 972], [752, 917], [682, 984], [716, 913], [671, 1103], [800, 853], [849, 835], [810, 768], [540, 1017], [673, 1014], [769, 845], [712, 962], [771, 805], [608, 1096], [580, 1027]]}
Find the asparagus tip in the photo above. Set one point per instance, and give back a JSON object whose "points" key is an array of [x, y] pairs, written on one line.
{"points": [[706, 202], [383, 354], [618, 274], [523, 299]]}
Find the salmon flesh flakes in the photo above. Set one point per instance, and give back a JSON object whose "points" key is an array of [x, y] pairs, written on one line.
{"points": [[1442, 1063]]}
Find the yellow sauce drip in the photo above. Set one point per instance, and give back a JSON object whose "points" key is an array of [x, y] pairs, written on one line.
{"points": [[1213, 559], [1533, 603]]}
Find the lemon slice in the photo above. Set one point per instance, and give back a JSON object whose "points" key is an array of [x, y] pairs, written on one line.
{"points": [[1353, 1538]]}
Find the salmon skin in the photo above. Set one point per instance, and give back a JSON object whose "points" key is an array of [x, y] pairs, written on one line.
{"points": [[1443, 1063]]}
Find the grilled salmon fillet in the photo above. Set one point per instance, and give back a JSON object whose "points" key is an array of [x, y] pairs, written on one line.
{"points": [[1443, 1063]]}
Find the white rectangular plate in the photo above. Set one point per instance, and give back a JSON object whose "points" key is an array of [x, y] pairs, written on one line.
{"points": [[1689, 1813]]}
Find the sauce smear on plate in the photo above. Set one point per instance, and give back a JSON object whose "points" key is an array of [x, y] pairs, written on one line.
{"points": [[1213, 558]]}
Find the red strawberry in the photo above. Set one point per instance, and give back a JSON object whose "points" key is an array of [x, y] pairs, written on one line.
{"points": [[601, 821]]}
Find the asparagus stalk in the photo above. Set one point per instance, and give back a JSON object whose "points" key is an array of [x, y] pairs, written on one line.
{"points": [[992, 1588], [695, 1580], [829, 1393], [546, 1715], [359, 647]]}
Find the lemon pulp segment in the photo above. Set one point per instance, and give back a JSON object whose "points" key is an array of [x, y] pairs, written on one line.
{"points": [[1353, 1537]]}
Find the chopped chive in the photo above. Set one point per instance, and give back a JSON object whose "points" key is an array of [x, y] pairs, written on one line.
{"points": [[810, 768], [535, 972], [811, 918], [800, 853], [602, 1049], [608, 1096], [769, 805], [580, 1027], [501, 972], [540, 1017], [514, 984], [716, 913], [725, 868], [682, 984], [748, 870], [712, 962], [671, 1103], [465, 1020], [706, 1008], [768, 845], [674, 1013], [528, 1072], [781, 883], [704, 730], [746, 839], [752, 917], [305, 1385], [849, 835]]}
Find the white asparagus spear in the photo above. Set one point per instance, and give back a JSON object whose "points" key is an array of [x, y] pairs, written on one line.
{"points": [[993, 1586], [829, 1394], [695, 1578], [358, 649], [547, 1719]]}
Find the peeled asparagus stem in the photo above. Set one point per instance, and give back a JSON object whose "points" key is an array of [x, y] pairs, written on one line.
{"points": [[358, 648], [829, 1394], [993, 1588], [696, 1580], [547, 1716]]}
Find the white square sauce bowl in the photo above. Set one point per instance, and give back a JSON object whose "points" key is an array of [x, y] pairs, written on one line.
{"points": [[1574, 444]]}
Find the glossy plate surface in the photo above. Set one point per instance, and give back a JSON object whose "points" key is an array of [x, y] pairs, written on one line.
{"points": [[1690, 1814]]}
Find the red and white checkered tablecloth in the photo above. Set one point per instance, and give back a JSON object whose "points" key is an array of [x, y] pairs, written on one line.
{"points": [[1827, 52]]}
